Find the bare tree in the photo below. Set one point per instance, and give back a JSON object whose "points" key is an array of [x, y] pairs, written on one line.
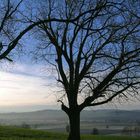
{"points": [[96, 52], [8, 22], [14, 25], [93, 44]]}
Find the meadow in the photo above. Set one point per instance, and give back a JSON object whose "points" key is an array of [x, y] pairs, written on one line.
{"points": [[14, 133]]}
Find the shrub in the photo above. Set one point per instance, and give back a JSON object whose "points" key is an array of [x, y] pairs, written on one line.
{"points": [[95, 131]]}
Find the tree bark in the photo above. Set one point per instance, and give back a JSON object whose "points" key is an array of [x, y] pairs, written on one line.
{"points": [[74, 122]]}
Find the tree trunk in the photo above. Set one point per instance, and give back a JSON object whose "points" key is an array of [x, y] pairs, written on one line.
{"points": [[74, 122]]}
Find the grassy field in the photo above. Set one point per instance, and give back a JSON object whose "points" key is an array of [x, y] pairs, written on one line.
{"points": [[13, 133]]}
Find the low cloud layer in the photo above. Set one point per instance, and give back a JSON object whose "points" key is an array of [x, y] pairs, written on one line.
{"points": [[25, 85]]}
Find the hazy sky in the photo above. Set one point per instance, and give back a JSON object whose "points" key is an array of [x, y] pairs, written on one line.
{"points": [[25, 87]]}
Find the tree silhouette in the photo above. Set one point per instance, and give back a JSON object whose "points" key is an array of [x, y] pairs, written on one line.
{"points": [[96, 52], [95, 131], [8, 13], [94, 47], [10, 18]]}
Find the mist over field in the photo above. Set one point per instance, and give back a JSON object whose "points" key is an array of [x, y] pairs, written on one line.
{"points": [[106, 121]]}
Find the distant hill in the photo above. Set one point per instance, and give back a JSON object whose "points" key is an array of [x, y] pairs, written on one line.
{"points": [[112, 115], [58, 116]]}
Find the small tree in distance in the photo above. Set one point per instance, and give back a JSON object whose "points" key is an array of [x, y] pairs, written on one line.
{"points": [[95, 131]]}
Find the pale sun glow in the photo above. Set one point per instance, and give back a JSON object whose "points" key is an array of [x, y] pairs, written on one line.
{"points": [[21, 89]]}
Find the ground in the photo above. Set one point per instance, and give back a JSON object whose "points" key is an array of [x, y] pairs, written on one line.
{"points": [[14, 133]]}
